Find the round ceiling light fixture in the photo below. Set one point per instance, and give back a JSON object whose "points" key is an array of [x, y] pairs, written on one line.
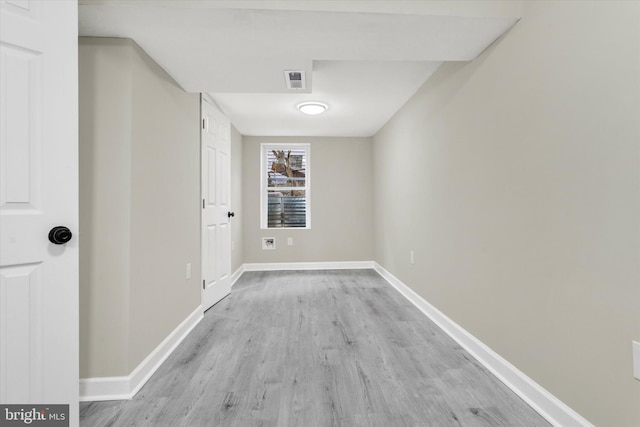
{"points": [[312, 108]]}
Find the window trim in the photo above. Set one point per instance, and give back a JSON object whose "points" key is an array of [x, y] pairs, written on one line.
{"points": [[264, 149]]}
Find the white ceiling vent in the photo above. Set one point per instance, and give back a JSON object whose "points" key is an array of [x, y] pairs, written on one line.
{"points": [[295, 79]]}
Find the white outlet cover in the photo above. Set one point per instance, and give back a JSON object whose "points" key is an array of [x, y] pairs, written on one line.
{"points": [[636, 359], [268, 243]]}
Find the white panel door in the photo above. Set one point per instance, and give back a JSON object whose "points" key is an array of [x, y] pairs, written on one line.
{"points": [[38, 190], [216, 189]]}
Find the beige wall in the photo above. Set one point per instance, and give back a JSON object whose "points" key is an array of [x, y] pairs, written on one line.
{"points": [[105, 203], [514, 179], [139, 210], [237, 255], [165, 208], [341, 203]]}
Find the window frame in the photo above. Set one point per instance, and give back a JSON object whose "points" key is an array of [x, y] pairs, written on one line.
{"points": [[264, 149]]}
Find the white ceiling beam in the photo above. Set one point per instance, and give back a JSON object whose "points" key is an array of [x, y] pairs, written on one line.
{"points": [[462, 8]]}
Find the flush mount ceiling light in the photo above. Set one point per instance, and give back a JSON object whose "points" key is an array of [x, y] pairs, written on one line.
{"points": [[312, 108]]}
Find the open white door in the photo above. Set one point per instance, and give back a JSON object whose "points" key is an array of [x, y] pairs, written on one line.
{"points": [[216, 189], [38, 191]]}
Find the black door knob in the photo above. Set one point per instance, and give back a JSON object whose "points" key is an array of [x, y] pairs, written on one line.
{"points": [[231, 214], [60, 235]]}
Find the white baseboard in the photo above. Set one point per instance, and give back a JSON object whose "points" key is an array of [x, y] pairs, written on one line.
{"points": [[546, 404], [236, 274], [123, 388], [105, 388], [339, 265]]}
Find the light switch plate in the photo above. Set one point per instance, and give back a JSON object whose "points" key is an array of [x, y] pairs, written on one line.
{"points": [[636, 359]]}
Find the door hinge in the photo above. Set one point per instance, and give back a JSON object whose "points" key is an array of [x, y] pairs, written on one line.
{"points": [[203, 285], [202, 203], [204, 124]]}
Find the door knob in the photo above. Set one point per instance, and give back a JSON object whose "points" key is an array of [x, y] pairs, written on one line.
{"points": [[60, 235], [231, 214]]}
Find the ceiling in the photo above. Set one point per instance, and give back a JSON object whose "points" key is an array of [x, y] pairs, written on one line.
{"points": [[364, 59]]}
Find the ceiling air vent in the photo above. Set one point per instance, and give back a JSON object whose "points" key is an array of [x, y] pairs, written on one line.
{"points": [[295, 79]]}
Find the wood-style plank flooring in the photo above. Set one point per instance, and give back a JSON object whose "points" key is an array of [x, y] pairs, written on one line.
{"points": [[317, 348]]}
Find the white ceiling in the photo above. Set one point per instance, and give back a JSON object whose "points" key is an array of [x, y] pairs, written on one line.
{"points": [[363, 58]]}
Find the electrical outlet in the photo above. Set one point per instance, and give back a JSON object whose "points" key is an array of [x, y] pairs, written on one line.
{"points": [[636, 359], [188, 270], [411, 257], [290, 241]]}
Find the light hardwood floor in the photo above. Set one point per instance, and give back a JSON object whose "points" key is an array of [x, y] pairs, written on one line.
{"points": [[317, 348]]}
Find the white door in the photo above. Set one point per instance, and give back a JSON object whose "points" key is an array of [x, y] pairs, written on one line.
{"points": [[38, 190], [216, 188]]}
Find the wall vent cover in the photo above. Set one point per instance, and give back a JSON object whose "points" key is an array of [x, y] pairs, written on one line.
{"points": [[295, 79]]}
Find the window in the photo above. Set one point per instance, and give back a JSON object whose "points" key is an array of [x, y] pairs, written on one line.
{"points": [[285, 186]]}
